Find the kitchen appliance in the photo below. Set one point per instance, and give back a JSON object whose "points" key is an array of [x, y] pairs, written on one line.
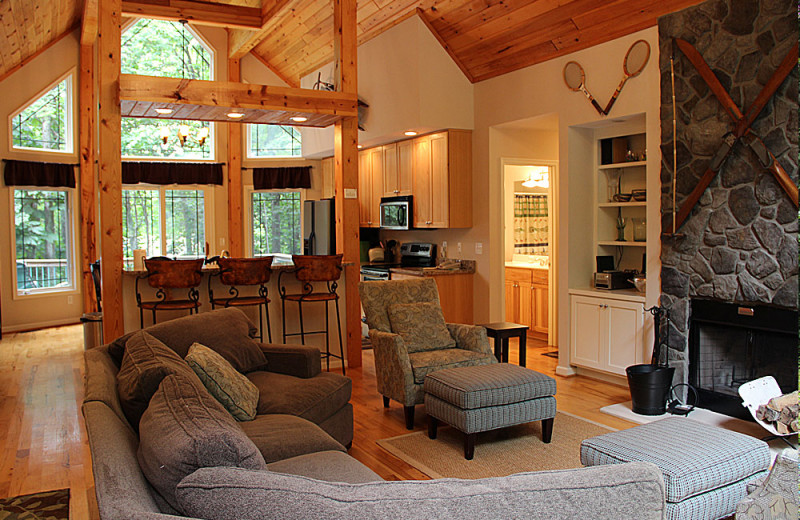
{"points": [[418, 254], [396, 212], [377, 254], [610, 280], [375, 272], [319, 227]]}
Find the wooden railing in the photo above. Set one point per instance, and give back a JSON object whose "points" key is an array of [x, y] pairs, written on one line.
{"points": [[40, 273]]}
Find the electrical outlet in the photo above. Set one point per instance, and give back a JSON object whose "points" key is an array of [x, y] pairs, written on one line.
{"points": [[478, 248], [69, 300], [459, 248], [222, 241]]}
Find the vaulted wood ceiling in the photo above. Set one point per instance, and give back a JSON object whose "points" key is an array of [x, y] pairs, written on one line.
{"points": [[486, 38]]}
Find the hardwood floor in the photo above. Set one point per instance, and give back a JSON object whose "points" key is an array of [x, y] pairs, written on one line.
{"points": [[43, 443]]}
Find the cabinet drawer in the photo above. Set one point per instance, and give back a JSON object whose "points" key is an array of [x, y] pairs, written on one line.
{"points": [[540, 276], [518, 274]]}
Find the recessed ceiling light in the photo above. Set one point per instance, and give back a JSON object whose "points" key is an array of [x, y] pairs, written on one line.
{"points": [[164, 111], [299, 119], [410, 133], [235, 115], [360, 146]]}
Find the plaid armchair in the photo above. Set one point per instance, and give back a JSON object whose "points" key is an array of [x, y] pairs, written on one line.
{"points": [[401, 372]]}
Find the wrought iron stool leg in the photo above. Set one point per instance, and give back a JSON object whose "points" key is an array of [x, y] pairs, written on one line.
{"points": [[302, 328], [339, 323]]}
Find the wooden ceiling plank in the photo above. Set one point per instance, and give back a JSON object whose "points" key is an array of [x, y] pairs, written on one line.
{"points": [[10, 37], [126, 105], [235, 95], [443, 43], [89, 22], [202, 13], [140, 108], [241, 42], [24, 23], [275, 70], [505, 64], [6, 73]]}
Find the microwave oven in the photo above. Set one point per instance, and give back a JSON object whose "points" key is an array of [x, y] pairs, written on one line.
{"points": [[396, 212]]}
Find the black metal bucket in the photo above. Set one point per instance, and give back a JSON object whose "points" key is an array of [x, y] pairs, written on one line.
{"points": [[649, 385]]}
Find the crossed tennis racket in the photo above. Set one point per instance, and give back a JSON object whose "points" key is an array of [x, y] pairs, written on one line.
{"points": [[635, 60]]}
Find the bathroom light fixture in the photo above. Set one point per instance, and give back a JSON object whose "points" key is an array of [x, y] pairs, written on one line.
{"points": [[538, 177]]}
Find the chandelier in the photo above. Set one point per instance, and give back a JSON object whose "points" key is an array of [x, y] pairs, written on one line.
{"points": [[185, 137], [539, 177]]}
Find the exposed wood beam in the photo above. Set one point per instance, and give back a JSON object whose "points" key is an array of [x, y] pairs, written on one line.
{"points": [[202, 13], [36, 54], [236, 95], [235, 217], [89, 22], [88, 119], [110, 167], [275, 70], [240, 42], [444, 45], [346, 171]]}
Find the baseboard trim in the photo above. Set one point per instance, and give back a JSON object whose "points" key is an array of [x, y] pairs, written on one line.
{"points": [[566, 371], [27, 327]]}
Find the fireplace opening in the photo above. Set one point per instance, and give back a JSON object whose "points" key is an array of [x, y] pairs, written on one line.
{"points": [[731, 344]]}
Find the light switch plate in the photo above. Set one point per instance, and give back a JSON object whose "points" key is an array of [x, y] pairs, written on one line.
{"points": [[350, 193], [478, 248]]}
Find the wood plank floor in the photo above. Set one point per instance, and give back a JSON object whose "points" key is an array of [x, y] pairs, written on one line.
{"points": [[43, 443]]}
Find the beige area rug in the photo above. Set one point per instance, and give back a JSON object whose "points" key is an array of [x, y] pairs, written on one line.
{"points": [[497, 453]]}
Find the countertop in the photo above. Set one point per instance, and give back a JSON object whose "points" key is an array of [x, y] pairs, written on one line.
{"points": [[628, 295], [276, 266], [526, 265], [467, 267]]}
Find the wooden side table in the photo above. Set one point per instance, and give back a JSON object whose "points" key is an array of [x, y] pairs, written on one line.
{"points": [[500, 332]]}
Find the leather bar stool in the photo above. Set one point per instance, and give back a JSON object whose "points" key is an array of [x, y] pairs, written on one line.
{"points": [[310, 269], [165, 275], [237, 272]]}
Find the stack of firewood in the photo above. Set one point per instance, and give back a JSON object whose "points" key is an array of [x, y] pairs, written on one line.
{"points": [[781, 412]]}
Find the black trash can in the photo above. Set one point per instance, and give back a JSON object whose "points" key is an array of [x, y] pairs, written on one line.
{"points": [[649, 385]]}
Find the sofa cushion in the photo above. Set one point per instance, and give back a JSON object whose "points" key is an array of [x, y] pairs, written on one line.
{"points": [[233, 390], [279, 436], [423, 363], [146, 362], [315, 399], [331, 466], [228, 332], [184, 429], [633, 492], [421, 325]]}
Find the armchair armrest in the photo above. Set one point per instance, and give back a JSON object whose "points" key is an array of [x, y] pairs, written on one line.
{"points": [[470, 337], [392, 365], [294, 360]]}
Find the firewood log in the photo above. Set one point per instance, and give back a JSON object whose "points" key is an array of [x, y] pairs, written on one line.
{"points": [[767, 414], [779, 403]]}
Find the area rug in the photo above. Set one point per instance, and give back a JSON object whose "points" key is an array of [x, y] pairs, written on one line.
{"points": [[497, 453], [50, 505]]}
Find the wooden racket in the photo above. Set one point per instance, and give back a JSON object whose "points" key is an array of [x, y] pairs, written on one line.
{"points": [[635, 60], [575, 80]]}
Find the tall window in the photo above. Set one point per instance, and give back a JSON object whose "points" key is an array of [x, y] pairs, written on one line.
{"points": [[276, 222], [167, 49], [45, 123], [273, 141], [43, 240], [164, 222]]}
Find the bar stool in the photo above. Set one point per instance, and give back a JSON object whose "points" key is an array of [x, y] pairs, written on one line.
{"points": [[310, 269], [244, 271], [164, 275]]}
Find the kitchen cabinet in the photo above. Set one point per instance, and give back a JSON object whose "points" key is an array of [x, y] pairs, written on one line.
{"points": [[370, 186], [455, 294], [527, 299], [397, 168], [607, 333]]}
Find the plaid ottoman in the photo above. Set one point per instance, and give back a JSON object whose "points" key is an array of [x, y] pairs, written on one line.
{"points": [[482, 398], [706, 469]]}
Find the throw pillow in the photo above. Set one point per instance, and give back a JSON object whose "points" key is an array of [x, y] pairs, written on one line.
{"points": [[233, 390], [184, 429], [421, 325], [228, 332], [145, 363]]}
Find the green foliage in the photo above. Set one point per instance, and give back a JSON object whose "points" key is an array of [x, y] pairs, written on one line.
{"points": [[141, 222], [141, 138], [276, 222], [42, 233], [185, 223], [43, 124], [274, 141], [183, 231]]}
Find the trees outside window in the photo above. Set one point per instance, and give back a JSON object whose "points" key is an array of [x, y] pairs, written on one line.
{"points": [[276, 222], [273, 141], [44, 124], [164, 222], [43, 241], [166, 49]]}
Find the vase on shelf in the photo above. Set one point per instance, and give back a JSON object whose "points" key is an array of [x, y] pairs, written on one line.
{"points": [[639, 229], [613, 180], [621, 223]]}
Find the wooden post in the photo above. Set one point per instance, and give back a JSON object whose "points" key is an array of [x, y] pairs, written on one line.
{"points": [[87, 105], [110, 167], [346, 171], [235, 228]]}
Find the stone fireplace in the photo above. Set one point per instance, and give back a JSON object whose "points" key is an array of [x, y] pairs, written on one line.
{"points": [[739, 244]]}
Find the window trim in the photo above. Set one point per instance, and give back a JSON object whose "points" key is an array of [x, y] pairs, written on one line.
{"points": [[69, 123], [208, 209], [247, 150], [73, 248], [248, 216]]}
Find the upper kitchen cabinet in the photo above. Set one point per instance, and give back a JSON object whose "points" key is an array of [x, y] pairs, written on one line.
{"points": [[397, 165], [442, 179], [370, 186]]}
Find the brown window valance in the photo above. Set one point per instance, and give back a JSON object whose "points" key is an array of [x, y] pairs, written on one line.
{"points": [[282, 178], [27, 173], [171, 173]]}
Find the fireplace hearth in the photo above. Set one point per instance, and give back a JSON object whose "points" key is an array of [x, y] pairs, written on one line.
{"points": [[731, 344]]}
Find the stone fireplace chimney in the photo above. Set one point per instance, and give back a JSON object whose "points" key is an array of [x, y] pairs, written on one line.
{"points": [[739, 244]]}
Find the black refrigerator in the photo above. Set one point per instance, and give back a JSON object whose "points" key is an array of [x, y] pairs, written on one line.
{"points": [[319, 227]]}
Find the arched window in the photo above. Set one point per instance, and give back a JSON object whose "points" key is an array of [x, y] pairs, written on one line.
{"points": [[167, 49]]}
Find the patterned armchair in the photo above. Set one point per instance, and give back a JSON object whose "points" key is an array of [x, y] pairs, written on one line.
{"points": [[401, 370]]}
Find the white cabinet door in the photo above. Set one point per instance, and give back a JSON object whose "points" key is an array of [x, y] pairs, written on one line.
{"points": [[587, 335], [625, 335]]}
